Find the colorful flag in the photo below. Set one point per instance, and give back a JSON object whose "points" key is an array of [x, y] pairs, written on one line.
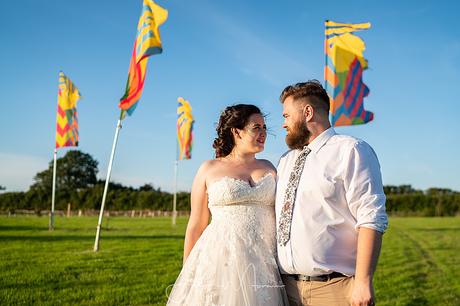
{"points": [[345, 64], [147, 43], [66, 119], [184, 128]]}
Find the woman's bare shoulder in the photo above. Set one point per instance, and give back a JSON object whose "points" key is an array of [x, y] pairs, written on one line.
{"points": [[267, 165], [208, 166]]}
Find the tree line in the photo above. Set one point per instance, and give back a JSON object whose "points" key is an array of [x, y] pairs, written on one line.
{"points": [[77, 184], [119, 197], [406, 201]]}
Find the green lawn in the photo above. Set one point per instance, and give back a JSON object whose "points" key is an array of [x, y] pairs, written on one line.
{"points": [[140, 257], [420, 262]]}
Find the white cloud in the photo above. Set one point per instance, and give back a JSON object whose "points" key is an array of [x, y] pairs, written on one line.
{"points": [[17, 171]]}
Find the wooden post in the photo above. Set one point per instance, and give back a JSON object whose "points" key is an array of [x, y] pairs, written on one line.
{"points": [[108, 217]]}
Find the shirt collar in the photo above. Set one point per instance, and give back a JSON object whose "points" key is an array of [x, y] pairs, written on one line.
{"points": [[321, 139]]}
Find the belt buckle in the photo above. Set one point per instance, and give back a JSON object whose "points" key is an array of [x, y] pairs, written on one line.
{"points": [[301, 277]]}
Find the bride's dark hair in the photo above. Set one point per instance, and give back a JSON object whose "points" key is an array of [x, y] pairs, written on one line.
{"points": [[235, 116]]}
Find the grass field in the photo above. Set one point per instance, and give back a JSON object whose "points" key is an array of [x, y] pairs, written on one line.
{"points": [[140, 257]]}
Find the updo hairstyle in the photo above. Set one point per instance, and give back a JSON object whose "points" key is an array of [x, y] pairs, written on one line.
{"points": [[235, 116]]}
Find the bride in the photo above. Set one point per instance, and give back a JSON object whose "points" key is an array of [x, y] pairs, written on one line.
{"points": [[231, 260]]}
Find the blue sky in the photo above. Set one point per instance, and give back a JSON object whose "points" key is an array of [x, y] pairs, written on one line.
{"points": [[217, 53]]}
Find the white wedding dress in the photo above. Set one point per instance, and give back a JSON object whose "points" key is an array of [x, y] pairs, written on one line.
{"points": [[233, 262]]}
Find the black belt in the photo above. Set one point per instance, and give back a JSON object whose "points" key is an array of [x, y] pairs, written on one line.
{"points": [[317, 278]]}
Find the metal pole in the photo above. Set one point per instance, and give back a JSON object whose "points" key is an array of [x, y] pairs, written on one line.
{"points": [[51, 221], [174, 214], [325, 69], [107, 179]]}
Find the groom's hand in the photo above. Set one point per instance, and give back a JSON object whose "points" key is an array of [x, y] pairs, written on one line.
{"points": [[369, 242], [362, 294]]}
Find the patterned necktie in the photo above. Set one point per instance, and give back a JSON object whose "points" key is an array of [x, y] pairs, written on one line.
{"points": [[284, 226]]}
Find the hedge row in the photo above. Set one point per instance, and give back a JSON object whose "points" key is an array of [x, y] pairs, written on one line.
{"points": [[401, 200]]}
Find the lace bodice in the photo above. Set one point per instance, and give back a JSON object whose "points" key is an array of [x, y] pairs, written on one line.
{"points": [[231, 191], [245, 211]]}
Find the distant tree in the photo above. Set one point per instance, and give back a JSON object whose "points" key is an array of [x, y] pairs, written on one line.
{"points": [[439, 191], [2, 188], [402, 189], [75, 170], [146, 187], [113, 185]]}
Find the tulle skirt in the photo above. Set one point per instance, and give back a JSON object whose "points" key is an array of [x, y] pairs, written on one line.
{"points": [[230, 265]]}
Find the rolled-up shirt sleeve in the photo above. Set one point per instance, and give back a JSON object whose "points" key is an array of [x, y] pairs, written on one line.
{"points": [[364, 188]]}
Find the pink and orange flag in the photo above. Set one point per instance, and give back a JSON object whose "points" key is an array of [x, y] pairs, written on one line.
{"points": [[66, 118], [147, 43]]}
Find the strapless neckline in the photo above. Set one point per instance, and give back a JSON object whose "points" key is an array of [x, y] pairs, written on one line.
{"points": [[238, 180]]}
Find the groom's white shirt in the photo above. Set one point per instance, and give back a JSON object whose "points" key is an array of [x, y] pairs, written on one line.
{"points": [[339, 191]]}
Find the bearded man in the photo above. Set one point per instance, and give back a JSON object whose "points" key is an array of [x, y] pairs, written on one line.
{"points": [[330, 206]]}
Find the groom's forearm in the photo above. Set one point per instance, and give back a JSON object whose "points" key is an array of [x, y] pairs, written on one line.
{"points": [[368, 251], [369, 243]]}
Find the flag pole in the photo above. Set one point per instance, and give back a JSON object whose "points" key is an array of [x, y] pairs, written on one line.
{"points": [[176, 165], [325, 53], [51, 221], [326, 64], [109, 170], [174, 214]]}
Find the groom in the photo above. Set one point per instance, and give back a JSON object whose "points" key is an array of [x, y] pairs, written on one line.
{"points": [[330, 206]]}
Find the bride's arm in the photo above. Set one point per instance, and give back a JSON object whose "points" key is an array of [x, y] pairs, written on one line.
{"points": [[199, 215]]}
